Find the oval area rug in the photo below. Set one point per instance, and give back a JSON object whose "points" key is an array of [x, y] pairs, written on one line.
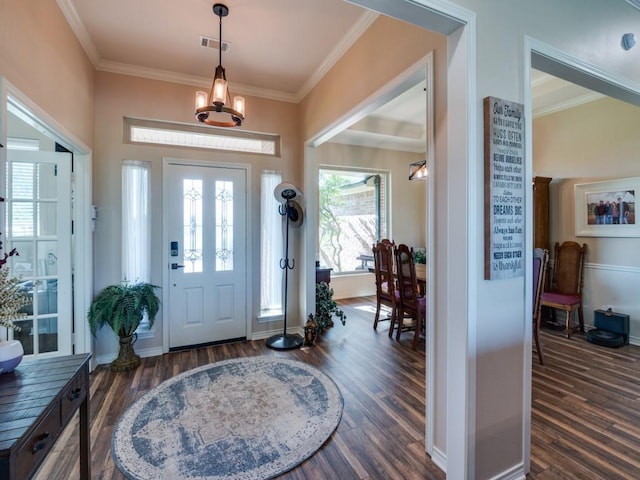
{"points": [[245, 419]]}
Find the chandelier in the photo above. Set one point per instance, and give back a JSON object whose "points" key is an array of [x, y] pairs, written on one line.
{"points": [[214, 108], [418, 170]]}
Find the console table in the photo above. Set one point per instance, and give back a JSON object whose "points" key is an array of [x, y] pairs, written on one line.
{"points": [[37, 401]]}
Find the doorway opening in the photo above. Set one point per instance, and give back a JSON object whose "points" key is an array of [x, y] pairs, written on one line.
{"points": [[48, 217]]}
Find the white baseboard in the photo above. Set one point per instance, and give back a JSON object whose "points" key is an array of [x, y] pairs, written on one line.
{"points": [[514, 473], [439, 458]]}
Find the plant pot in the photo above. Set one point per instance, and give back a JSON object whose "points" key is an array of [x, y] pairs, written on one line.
{"points": [[11, 353], [127, 358]]}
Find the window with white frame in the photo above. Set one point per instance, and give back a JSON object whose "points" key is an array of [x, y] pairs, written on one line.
{"points": [[353, 206], [136, 225], [271, 248], [155, 132]]}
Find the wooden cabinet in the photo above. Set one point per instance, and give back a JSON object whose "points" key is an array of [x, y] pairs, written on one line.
{"points": [[541, 212], [323, 275], [37, 400]]}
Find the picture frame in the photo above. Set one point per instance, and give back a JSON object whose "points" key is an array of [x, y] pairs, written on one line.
{"points": [[607, 208]]}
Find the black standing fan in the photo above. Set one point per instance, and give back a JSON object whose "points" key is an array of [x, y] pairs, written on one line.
{"points": [[285, 193]]}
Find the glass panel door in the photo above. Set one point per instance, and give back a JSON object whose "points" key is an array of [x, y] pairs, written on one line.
{"points": [[39, 227]]}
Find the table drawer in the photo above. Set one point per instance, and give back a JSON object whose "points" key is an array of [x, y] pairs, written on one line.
{"points": [[37, 445], [73, 395]]}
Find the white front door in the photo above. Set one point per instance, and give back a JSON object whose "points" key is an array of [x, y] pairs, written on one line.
{"points": [[39, 227], [207, 254]]}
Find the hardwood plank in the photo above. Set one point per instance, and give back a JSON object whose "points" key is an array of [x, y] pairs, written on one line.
{"points": [[378, 377], [585, 420], [585, 415]]}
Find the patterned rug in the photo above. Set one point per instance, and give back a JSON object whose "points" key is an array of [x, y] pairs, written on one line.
{"points": [[245, 419]]}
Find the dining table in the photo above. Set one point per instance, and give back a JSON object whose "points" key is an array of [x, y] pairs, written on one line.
{"points": [[421, 277], [421, 272]]}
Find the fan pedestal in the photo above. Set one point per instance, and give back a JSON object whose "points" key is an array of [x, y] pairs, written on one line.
{"points": [[284, 342]]}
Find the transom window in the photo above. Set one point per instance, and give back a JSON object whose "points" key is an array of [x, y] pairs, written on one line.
{"points": [[195, 136]]}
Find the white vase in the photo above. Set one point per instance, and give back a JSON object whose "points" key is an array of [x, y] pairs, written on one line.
{"points": [[11, 353]]}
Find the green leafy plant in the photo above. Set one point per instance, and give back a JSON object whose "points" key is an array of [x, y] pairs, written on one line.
{"points": [[326, 307], [420, 256], [123, 307], [12, 298]]}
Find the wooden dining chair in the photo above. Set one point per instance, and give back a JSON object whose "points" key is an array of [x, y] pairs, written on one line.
{"points": [[567, 283], [386, 292], [411, 305], [540, 261]]}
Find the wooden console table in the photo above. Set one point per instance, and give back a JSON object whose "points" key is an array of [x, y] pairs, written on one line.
{"points": [[37, 401]]}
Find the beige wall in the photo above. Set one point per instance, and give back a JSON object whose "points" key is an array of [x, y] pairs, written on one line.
{"points": [[486, 352], [593, 142], [41, 57], [598, 139], [384, 51], [118, 96], [381, 54]]}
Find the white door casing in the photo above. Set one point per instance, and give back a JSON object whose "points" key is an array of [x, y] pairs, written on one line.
{"points": [[207, 252]]}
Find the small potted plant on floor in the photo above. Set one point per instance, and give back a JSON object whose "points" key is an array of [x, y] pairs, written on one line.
{"points": [[326, 307], [123, 308]]}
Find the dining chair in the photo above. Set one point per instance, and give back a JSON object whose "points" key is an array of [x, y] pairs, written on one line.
{"points": [[411, 305], [386, 292], [540, 261], [567, 283]]}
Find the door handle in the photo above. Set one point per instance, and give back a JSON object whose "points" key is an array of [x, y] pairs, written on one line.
{"points": [[175, 266]]}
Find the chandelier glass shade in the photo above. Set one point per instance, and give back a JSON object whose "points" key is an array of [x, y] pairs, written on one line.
{"points": [[418, 170], [215, 108]]}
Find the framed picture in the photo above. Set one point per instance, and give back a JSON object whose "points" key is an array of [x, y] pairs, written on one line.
{"points": [[607, 209]]}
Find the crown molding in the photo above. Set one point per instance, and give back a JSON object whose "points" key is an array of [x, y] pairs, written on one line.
{"points": [[348, 40], [542, 80], [573, 102], [99, 64], [73, 19], [196, 81]]}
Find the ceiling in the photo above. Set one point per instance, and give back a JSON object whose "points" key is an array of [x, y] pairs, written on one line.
{"points": [[278, 49]]}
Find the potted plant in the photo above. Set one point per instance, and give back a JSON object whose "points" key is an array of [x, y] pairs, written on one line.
{"points": [[326, 307], [12, 302], [123, 307]]}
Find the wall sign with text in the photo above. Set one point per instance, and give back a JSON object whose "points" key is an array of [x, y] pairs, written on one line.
{"points": [[503, 189]]}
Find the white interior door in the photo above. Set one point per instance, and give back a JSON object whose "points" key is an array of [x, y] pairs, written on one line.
{"points": [[208, 252], [39, 227]]}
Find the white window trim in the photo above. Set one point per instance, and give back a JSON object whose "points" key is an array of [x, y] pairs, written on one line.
{"points": [[386, 175], [199, 137], [271, 246], [136, 231]]}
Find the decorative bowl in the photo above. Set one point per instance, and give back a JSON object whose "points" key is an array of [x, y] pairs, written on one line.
{"points": [[11, 353]]}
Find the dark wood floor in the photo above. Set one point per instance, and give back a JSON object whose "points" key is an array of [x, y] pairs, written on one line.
{"points": [[585, 410], [585, 419]]}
